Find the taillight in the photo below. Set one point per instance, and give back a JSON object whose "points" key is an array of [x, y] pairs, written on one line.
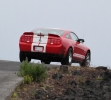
{"points": [[54, 41], [26, 39]]}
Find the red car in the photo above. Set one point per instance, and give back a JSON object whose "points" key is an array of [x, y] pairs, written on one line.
{"points": [[54, 45]]}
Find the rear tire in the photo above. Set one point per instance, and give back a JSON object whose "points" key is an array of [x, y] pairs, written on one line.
{"points": [[23, 57], [86, 62], [68, 59]]}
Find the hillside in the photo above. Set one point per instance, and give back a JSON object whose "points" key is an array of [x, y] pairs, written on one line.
{"points": [[69, 83]]}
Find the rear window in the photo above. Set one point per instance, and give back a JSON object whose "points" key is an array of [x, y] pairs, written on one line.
{"points": [[46, 31]]}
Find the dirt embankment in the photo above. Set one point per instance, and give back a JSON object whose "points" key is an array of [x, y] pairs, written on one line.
{"points": [[70, 83]]}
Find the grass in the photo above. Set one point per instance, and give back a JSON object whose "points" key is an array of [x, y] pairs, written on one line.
{"points": [[32, 72]]}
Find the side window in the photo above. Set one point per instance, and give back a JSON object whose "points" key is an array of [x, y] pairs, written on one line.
{"points": [[74, 36], [68, 36]]}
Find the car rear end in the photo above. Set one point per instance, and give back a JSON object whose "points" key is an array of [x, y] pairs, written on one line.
{"points": [[42, 44]]}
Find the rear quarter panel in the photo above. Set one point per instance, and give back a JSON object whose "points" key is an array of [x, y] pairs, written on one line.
{"points": [[86, 49], [67, 43]]}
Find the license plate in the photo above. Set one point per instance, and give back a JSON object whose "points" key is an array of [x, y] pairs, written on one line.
{"points": [[38, 48]]}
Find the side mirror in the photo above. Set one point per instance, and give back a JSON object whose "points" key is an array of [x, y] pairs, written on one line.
{"points": [[80, 40]]}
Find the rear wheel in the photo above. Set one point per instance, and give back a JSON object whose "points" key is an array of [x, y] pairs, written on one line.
{"points": [[68, 59], [86, 62], [23, 57]]}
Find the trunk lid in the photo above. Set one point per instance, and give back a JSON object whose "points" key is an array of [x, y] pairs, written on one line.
{"points": [[43, 38]]}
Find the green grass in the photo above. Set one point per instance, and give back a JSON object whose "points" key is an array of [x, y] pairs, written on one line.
{"points": [[32, 72]]}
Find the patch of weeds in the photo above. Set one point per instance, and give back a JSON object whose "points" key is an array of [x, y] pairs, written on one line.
{"points": [[28, 79], [32, 72], [14, 95], [99, 78]]}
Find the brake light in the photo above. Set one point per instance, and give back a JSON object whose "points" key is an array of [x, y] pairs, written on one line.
{"points": [[26, 39], [54, 41]]}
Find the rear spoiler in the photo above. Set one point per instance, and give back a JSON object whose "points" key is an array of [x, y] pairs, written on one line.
{"points": [[28, 33], [40, 34], [50, 34]]}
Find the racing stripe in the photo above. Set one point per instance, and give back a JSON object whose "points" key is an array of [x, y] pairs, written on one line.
{"points": [[79, 55], [42, 43]]}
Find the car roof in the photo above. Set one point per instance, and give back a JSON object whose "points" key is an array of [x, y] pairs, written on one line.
{"points": [[56, 29]]}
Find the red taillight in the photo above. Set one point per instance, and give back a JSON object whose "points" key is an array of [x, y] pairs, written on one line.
{"points": [[54, 41], [26, 39]]}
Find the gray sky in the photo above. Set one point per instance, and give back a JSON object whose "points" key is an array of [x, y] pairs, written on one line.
{"points": [[89, 19]]}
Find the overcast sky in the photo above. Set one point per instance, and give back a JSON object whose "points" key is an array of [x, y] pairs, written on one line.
{"points": [[89, 19]]}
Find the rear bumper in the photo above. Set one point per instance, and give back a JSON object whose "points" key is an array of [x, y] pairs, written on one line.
{"points": [[41, 56], [25, 46], [55, 49], [48, 49]]}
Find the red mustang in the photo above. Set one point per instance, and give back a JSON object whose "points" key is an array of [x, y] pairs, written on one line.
{"points": [[55, 45]]}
